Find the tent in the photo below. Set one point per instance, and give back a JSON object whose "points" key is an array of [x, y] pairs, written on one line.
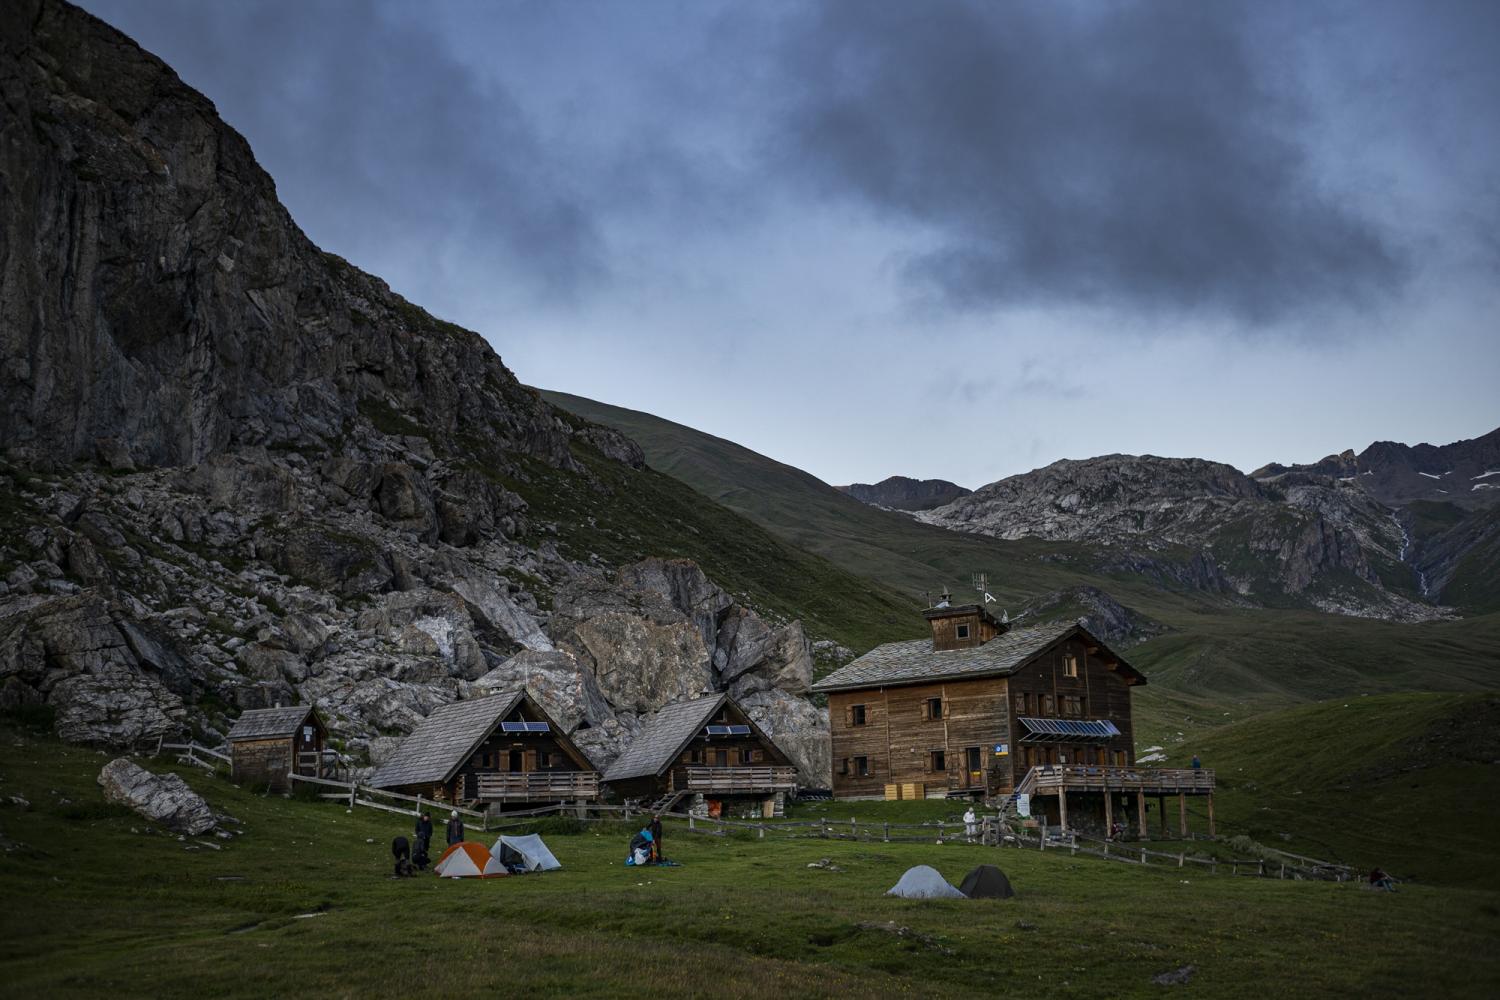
{"points": [[986, 882], [469, 860], [923, 882], [528, 852]]}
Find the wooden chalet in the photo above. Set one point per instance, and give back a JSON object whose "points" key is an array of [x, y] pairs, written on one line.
{"points": [[490, 752], [266, 744], [985, 709], [709, 749]]}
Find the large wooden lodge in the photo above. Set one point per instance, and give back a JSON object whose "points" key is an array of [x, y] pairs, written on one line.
{"points": [[985, 709], [495, 751]]}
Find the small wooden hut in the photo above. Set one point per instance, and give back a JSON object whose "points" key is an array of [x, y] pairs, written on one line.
{"points": [[499, 750], [709, 749], [266, 744]]}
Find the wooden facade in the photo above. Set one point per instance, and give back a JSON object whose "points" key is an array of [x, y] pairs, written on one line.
{"points": [[685, 750], [265, 745], [495, 751], [897, 734]]}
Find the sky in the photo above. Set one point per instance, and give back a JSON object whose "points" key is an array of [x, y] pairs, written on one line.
{"points": [[938, 239]]}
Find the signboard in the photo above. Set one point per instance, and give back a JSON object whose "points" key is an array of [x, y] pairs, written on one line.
{"points": [[1023, 805], [307, 734], [1002, 749]]}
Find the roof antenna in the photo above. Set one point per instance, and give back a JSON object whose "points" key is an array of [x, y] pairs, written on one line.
{"points": [[1004, 616]]}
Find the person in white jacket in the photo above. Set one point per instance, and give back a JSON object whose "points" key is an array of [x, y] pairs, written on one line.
{"points": [[971, 824]]}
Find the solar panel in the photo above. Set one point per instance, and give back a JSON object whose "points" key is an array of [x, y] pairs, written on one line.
{"points": [[727, 730], [524, 727]]}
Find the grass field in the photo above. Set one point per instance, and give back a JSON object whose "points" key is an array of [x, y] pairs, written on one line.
{"points": [[95, 905]]}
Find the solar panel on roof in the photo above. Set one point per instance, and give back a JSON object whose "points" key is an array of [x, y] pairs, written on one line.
{"points": [[524, 727], [727, 730]]}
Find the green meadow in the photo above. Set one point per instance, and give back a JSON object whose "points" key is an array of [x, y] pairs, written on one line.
{"points": [[300, 903]]}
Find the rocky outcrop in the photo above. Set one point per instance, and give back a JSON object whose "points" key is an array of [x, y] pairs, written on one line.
{"points": [[901, 493], [104, 675], [1100, 613], [560, 684], [798, 727], [236, 471], [161, 798]]}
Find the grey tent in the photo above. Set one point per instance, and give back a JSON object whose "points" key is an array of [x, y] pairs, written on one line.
{"points": [[923, 882], [986, 882], [528, 852]]}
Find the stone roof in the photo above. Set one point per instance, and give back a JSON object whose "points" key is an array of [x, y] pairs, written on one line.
{"points": [[444, 740], [268, 723], [662, 738], [916, 662]]}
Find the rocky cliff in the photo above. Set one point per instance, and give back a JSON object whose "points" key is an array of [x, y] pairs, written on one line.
{"points": [[901, 493], [239, 471], [1310, 540]]}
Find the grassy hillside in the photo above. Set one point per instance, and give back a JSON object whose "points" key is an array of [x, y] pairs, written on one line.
{"points": [[1408, 781], [1218, 658], [867, 541], [623, 515], [99, 904]]}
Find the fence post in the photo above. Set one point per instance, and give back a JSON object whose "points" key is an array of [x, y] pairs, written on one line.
{"points": [[1143, 855], [692, 820], [353, 788], [887, 837], [762, 829], [1181, 858]]}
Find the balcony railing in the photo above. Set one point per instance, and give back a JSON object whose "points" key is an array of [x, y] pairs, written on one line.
{"points": [[516, 786], [728, 780], [1050, 778]]}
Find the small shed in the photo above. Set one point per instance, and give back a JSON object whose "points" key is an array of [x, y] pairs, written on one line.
{"points": [[266, 744]]}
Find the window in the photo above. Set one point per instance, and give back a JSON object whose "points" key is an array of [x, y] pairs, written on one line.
{"points": [[1048, 706], [721, 758], [963, 631], [1023, 703], [933, 709], [695, 756], [862, 766], [855, 715], [937, 761], [1073, 706], [1070, 664], [748, 756], [1119, 758], [844, 766], [543, 759]]}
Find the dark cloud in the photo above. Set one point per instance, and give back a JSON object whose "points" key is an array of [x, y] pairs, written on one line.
{"points": [[1137, 156], [384, 145]]}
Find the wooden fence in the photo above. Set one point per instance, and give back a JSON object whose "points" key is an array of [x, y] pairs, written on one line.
{"points": [[194, 753], [355, 794]]}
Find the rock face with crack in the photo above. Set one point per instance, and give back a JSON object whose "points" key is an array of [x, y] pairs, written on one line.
{"points": [[161, 798], [236, 471]]}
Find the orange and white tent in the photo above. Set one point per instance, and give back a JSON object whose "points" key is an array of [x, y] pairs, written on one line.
{"points": [[469, 860]]}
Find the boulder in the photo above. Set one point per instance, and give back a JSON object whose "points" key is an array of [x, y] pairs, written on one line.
{"points": [[115, 708], [798, 727], [561, 685], [756, 657], [640, 665], [685, 586], [161, 798], [267, 663]]}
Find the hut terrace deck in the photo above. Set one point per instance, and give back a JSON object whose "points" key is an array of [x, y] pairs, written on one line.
{"points": [[1048, 779], [1109, 782], [537, 786], [734, 780]]}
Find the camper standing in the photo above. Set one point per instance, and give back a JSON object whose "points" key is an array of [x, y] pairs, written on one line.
{"points": [[971, 824], [655, 829], [455, 829], [423, 837]]}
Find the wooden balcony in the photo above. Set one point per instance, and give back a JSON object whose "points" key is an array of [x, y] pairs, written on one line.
{"points": [[536, 786], [735, 780], [1049, 779]]}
